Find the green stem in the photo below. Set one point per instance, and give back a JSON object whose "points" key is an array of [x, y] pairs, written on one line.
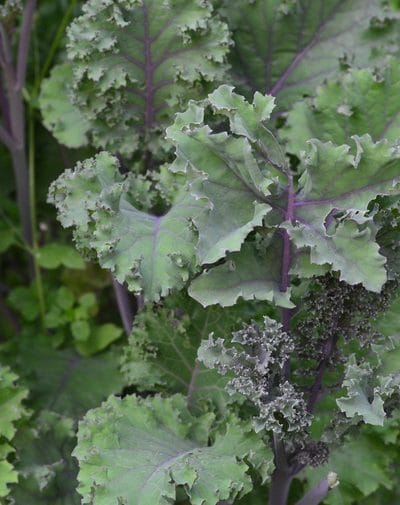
{"points": [[32, 194], [54, 47]]}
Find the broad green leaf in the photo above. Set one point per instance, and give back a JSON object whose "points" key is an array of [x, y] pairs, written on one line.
{"points": [[54, 255], [162, 350], [60, 116], [336, 179], [224, 171], [288, 48], [138, 451], [151, 253], [249, 274], [47, 473], [62, 380], [360, 102], [134, 61], [325, 212]]}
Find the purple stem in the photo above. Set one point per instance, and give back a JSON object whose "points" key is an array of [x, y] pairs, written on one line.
{"points": [[282, 476], [13, 129], [23, 48], [316, 495], [124, 305], [317, 386], [280, 486], [286, 255]]}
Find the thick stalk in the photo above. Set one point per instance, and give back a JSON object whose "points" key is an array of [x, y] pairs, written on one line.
{"points": [[282, 476], [14, 80], [124, 305], [316, 495], [18, 157], [280, 486], [286, 252], [33, 217], [16, 123]]}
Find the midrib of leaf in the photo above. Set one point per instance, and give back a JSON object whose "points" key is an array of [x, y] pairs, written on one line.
{"points": [[276, 88], [73, 363], [156, 233], [338, 198], [149, 71], [196, 369], [148, 67]]}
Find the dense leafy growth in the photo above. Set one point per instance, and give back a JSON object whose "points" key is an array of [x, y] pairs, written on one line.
{"points": [[226, 330]]}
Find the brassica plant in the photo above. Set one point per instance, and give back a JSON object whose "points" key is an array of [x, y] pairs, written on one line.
{"points": [[238, 176]]}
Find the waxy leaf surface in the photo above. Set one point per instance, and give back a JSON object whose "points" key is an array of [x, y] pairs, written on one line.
{"points": [[137, 451], [288, 48], [136, 60]]}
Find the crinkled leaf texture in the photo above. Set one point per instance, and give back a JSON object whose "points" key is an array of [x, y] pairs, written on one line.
{"points": [[359, 102], [148, 252], [162, 349], [325, 212], [136, 60], [368, 387], [138, 451], [11, 411], [60, 116], [287, 48]]}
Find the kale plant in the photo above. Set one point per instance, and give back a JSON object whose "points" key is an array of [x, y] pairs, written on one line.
{"points": [[238, 175]]}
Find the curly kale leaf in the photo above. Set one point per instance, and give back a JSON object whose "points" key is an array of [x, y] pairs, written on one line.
{"points": [[135, 61], [257, 364], [324, 211], [151, 253], [241, 200], [371, 386], [359, 102], [161, 354], [138, 451], [11, 411], [288, 48]]}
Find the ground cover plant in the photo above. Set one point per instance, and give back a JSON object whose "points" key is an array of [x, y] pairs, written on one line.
{"points": [[199, 247]]}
